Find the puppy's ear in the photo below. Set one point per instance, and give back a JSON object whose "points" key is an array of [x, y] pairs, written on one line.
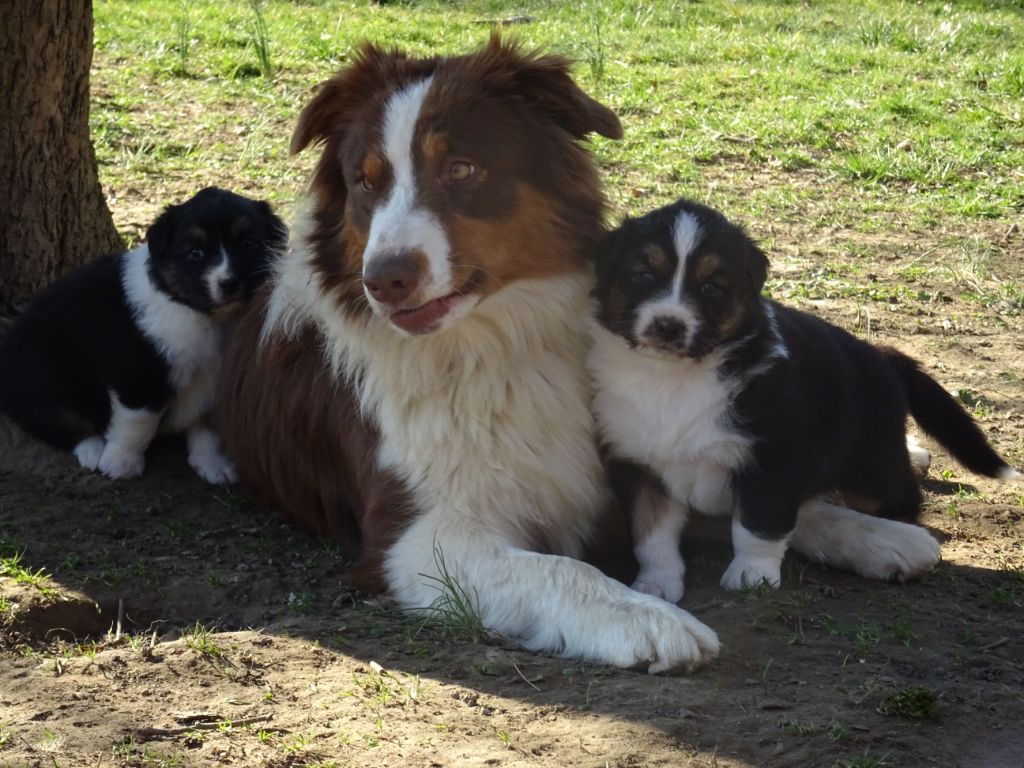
{"points": [[161, 231], [756, 265], [277, 228], [607, 249], [545, 82]]}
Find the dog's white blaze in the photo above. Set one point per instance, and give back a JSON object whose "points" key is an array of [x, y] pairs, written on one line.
{"points": [[755, 560], [215, 276], [517, 460], [398, 224], [129, 433], [685, 237]]}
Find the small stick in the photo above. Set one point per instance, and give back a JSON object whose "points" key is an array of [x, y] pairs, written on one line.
{"points": [[120, 618], [209, 726], [994, 644], [525, 679]]}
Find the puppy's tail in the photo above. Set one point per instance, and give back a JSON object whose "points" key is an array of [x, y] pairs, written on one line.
{"points": [[942, 417]]}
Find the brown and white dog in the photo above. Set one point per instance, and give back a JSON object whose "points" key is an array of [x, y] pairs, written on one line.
{"points": [[414, 382]]}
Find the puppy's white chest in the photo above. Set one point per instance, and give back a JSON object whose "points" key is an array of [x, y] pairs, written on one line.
{"points": [[672, 416]]}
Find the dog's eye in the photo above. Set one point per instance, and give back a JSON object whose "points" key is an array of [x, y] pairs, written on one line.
{"points": [[365, 183], [711, 289], [641, 278], [461, 170], [195, 254]]}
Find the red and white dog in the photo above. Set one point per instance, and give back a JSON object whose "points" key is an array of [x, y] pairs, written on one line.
{"points": [[414, 383]]}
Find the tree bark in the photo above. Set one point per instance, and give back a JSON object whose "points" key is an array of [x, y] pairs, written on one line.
{"points": [[53, 216]]}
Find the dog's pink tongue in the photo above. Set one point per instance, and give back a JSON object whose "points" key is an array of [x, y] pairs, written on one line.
{"points": [[423, 318]]}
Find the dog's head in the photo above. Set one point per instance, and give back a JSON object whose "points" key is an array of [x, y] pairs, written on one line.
{"points": [[444, 179], [680, 281], [214, 250]]}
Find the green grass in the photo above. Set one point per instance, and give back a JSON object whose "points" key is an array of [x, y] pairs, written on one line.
{"points": [[12, 567]]}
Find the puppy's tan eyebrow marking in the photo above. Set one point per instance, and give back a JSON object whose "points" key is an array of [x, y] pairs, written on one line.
{"points": [[655, 256], [709, 264], [240, 225], [197, 233]]}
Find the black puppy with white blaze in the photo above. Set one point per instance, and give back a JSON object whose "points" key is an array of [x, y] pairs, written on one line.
{"points": [[721, 401], [130, 343]]}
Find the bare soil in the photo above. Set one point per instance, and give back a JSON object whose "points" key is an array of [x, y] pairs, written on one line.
{"points": [[302, 670]]}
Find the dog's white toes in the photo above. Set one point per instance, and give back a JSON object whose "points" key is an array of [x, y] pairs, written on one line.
{"points": [[920, 457], [676, 641], [666, 583], [90, 451], [119, 463], [748, 572], [902, 552], [214, 467]]}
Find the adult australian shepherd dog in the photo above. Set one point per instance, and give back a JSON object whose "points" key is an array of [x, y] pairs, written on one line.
{"points": [[414, 383]]}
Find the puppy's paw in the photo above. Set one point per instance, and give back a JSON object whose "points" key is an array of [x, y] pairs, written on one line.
{"points": [[119, 463], [751, 572], [213, 466], [920, 458], [665, 582], [90, 451]]}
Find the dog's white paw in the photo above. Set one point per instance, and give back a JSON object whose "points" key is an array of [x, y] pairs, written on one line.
{"points": [[670, 639], [895, 550], [664, 582], [752, 572], [920, 458], [90, 451], [119, 463], [213, 466]]}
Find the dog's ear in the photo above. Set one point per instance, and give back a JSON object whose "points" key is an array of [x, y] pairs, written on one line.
{"points": [[545, 82], [756, 265], [161, 231]]}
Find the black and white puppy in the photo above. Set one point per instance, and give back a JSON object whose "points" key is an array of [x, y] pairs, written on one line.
{"points": [[130, 343], [727, 403]]}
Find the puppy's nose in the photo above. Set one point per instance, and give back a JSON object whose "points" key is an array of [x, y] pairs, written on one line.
{"points": [[393, 277], [230, 287], [669, 330]]}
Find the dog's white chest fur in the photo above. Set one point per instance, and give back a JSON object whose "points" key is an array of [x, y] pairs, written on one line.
{"points": [[188, 340], [670, 415]]}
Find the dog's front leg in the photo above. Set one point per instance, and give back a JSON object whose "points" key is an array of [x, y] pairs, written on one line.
{"points": [[548, 603]]}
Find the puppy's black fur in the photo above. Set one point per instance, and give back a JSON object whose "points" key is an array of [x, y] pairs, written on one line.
{"points": [[80, 340], [825, 411]]}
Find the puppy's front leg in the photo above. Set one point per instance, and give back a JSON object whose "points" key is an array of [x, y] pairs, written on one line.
{"points": [[764, 519], [657, 522], [129, 433]]}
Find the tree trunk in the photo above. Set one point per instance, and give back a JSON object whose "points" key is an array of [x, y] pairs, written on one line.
{"points": [[52, 213]]}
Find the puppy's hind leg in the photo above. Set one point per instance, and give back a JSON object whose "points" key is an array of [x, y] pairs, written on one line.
{"points": [[657, 523]]}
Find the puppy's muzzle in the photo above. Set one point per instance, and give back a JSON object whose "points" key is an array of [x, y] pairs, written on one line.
{"points": [[667, 332]]}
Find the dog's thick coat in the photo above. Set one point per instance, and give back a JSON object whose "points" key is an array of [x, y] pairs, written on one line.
{"points": [[414, 383], [734, 404]]}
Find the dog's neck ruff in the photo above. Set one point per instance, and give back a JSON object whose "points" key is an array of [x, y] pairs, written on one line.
{"points": [[489, 418], [187, 339]]}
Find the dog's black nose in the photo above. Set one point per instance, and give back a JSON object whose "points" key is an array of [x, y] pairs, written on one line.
{"points": [[669, 330], [230, 286]]}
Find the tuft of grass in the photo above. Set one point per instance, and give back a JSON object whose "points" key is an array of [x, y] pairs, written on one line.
{"points": [[914, 702], [259, 38], [866, 760], [199, 638], [11, 567], [455, 609]]}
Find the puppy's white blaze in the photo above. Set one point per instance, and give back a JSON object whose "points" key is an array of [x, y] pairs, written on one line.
{"points": [[662, 569], [398, 224], [874, 547], [755, 560], [215, 276], [685, 237]]}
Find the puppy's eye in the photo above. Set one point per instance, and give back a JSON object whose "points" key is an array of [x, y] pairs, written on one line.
{"points": [[711, 289], [195, 254], [461, 170], [249, 243], [641, 278]]}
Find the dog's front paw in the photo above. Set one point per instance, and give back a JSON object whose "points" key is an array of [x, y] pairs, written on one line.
{"points": [[673, 640], [896, 550], [214, 467], [90, 451], [750, 572], [119, 463], [663, 582]]}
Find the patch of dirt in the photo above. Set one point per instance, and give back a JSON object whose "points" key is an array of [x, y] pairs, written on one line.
{"points": [[242, 643]]}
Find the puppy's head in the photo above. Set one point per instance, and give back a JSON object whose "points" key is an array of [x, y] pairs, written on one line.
{"points": [[680, 281], [212, 251], [443, 180]]}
